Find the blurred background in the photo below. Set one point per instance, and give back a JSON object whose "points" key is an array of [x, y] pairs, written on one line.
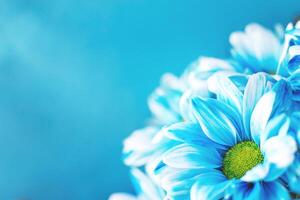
{"points": [[75, 76]]}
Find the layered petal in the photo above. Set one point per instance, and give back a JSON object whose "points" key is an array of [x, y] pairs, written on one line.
{"points": [[256, 87], [178, 182], [294, 81], [210, 185], [274, 191], [275, 101], [192, 157], [219, 122], [122, 196], [189, 133], [279, 125], [144, 186], [280, 150], [138, 147], [257, 48], [260, 190], [226, 91], [293, 175], [164, 101]]}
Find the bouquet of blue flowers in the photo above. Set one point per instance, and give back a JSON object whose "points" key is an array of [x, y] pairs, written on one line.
{"points": [[224, 129]]}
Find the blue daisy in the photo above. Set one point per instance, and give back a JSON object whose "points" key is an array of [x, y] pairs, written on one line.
{"points": [[239, 147], [168, 105], [257, 49]]}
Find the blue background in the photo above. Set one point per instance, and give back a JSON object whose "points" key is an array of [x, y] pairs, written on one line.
{"points": [[75, 76]]}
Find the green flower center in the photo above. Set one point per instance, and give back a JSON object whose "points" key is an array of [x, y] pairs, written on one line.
{"points": [[240, 158]]}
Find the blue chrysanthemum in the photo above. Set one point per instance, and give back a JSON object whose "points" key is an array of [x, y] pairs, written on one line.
{"points": [[255, 50], [239, 147], [168, 105], [237, 137]]}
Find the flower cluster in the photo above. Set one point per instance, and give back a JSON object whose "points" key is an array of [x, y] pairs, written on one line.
{"points": [[225, 129]]}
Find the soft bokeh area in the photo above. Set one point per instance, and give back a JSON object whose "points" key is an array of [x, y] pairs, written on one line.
{"points": [[75, 76]]}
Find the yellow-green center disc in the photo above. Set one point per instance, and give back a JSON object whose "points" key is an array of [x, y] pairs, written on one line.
{"points": [[241, 158]]}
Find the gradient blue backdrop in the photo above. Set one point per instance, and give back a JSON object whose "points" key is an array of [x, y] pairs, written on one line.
{"points": [[75, 76]]}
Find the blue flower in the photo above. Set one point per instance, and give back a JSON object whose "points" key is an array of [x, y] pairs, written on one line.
{"points": [[256, 50], [231, 113], [144, 187], [168, 105], [239, 147]]}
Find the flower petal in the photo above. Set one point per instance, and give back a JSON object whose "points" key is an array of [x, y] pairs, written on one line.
{"points": [[256, 87], [257, 48], [138, 147], [260, 190], [189, 133], [293, 175], [192, 157], [263, 172], [273, 102], [278, 125], [280, 150], [164, 101], [211, 185], [177, 179], [122, 196], [273, 191], [245, 191], [180, 181], [226, 91], [218, 121], [257, 173], [294, 81], [144, 185]]}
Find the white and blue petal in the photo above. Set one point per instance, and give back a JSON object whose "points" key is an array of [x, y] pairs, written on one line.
{"points": [[260, 190], [144, 186], [210, 186], [257, 48], [279, 153], [256, 87], [293, 175], [257, 173], [273, 191], [245, 191], [189, 133], [219, 122], [180, 181], [280, 150], [294, 81], [279, 125], [276, 101], [122, 196], [164, 101], [192, 157], [226, 91], [138, 147], [200, 70]]}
